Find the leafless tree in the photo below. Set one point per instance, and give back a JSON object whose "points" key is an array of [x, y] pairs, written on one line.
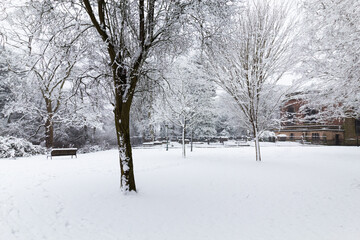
{"points": [[189, 99], [130, 31], [249, 58], [331, 48], [47, 55]]}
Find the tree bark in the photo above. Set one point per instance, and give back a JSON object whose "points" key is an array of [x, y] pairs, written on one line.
{"points": [[257, 149], [114, 33], [49, 133], [183, 141], [257, 144], [122, 117], [49, 126]]}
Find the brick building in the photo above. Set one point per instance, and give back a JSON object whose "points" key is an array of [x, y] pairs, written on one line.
{"points": [[301, 124]]}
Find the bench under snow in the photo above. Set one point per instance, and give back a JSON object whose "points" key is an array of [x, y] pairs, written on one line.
{"points": [[63, 152]]}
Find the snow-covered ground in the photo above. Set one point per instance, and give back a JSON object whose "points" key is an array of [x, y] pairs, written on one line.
{"points": [[297, 192]]}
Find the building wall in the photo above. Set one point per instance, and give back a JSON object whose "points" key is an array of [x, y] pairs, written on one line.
{"points": [[351, 138], [328, 137], [332, 132]]}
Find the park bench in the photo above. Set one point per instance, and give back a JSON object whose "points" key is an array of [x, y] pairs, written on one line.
{"points": [[63, 152]]}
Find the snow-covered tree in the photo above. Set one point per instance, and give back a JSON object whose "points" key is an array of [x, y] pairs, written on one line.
{"points": [[4, 69], [131, 32], [144, 121], [227, 120], [331, 60], [53, 87], [49, 53], [208, 17], [249, 58], [189, 99]]}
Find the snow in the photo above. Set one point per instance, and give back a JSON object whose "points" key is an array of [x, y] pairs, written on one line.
{"points": [[12, 147], [296, 192]]}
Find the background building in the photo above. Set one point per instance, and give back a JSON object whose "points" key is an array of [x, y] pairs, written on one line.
{"points": [[303, 124]]}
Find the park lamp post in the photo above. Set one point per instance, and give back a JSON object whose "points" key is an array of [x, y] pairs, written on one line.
{"points": [[357, 130], [191, 148], [167, 138]]}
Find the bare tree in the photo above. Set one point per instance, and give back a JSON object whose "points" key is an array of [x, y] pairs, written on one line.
{"points": [[130, 30], [331, 63], [248, 60], [49, 55], [189, 99]]}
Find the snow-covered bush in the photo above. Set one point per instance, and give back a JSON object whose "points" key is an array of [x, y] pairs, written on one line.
{"points": [[94, 148], [267, 136], [11, 147]]}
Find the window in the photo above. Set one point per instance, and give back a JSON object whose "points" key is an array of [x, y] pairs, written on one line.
{"points": [[292, 137], [290, 112], [315, 136], [357, 126], [289, 115]]}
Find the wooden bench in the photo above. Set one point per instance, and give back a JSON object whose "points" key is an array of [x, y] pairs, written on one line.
{"points": [[63, 152]]}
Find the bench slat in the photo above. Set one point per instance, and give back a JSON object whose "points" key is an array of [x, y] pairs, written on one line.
{"points": [[63, 152]]}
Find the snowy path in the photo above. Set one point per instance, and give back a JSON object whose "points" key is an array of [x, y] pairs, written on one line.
{"points": [[305, 193]]}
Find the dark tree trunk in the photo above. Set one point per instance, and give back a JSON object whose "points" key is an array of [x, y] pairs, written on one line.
{"points": [[49, 126], [127, 179], [49, 133], [122, 125], [125, 75]]}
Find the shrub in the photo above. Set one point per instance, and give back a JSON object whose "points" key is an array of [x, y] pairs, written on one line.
{"points": [[94, 148], [11, 147]]}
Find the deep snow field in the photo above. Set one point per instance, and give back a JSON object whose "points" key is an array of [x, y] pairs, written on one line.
{"points": [[295, 193]]}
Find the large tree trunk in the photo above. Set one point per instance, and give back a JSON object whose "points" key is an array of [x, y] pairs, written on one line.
{"points": [[49, 126], [114, 33], [122, 117], [49, 133], [124, 84]]}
